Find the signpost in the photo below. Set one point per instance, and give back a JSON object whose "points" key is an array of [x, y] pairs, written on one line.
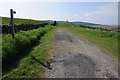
{"points": [[12, 22]]}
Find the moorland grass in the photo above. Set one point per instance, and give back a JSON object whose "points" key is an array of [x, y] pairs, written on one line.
{"points": [[30, 68], [17, 21], [14, 49], [107, 41]]}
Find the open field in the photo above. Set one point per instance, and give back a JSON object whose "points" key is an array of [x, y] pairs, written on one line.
{"points": [[108, 41], [35, 53], [112, 28], [105, 26], [17, 21]]}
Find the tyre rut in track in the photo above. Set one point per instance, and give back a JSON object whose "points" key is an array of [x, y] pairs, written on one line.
{"points": [[75, 59]]}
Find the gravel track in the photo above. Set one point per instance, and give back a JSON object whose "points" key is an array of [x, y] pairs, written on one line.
{"points": [[75, 58]]}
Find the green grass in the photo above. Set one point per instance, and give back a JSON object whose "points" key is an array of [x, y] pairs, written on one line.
{"points": [[14, 49], [64, 24], [29, 68], [107, 41], [17, 21], [106, 27]]}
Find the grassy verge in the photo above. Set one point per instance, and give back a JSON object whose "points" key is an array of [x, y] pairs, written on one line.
{"points": [[14, 49], [107, 41], [30, 68]]}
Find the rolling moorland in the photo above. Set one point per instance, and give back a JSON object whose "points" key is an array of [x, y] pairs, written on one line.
{"points": [[28, 55]]}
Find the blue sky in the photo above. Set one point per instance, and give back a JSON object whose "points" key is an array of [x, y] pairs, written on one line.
{"points": [[95, 12]]}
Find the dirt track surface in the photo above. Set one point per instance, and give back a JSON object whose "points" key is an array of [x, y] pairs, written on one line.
{"points": [[75, 58]]}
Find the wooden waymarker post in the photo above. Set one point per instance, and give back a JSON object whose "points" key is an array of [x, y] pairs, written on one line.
{"points": [[12, 22]]}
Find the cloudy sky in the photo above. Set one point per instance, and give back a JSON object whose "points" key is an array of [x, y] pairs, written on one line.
{"points": [[96, 12]]}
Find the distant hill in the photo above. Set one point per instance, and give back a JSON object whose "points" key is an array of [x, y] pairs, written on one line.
{"points": [[80, 23], [85, 23], [47, 20], [54, 20], [6, 21], [61, 21]]}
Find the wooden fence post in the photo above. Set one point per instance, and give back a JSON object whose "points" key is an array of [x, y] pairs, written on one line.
{"points": [[12, 22]]}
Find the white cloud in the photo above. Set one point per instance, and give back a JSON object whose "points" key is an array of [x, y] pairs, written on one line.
{"points": [[107, 14]]}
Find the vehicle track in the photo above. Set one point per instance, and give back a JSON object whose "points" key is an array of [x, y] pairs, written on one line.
{"points": [[75, 58]]}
